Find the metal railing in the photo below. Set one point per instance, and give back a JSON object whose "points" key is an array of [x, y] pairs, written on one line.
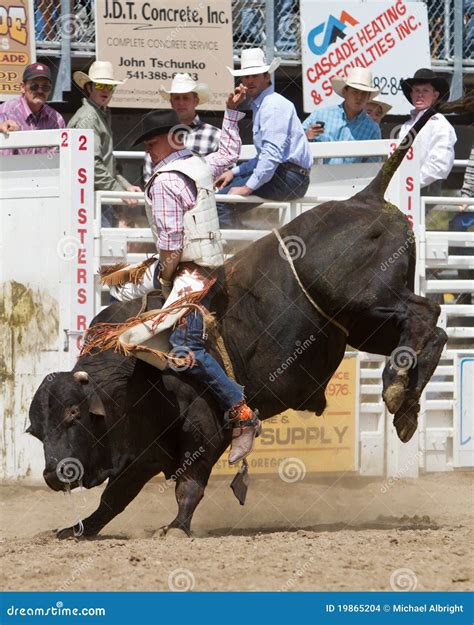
{"points": [[271, 24]]}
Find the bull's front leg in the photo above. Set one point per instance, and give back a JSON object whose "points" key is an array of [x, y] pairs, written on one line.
{"points": [[120, 491]]}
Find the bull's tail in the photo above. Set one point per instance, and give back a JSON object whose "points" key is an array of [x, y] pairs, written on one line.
{"points": [[381, 181], [463, 105]]}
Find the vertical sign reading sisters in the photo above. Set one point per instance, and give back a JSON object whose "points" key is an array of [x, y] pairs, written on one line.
{"points": [[148, 43], [388, 38], [17, 44]]}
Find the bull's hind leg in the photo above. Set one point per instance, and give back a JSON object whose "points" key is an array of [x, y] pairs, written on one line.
{"points": [[416, 319], [189, 492], [408, 335], [406, 417]]}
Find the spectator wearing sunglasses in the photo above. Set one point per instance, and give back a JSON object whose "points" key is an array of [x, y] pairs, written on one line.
{"points": [[30, 111], [99, 85]]}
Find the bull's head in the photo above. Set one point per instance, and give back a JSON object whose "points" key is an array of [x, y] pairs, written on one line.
{"points": [[67, 416]]}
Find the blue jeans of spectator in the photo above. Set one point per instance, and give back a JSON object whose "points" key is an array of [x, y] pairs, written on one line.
{"points": [[285, 185], [206, 370]]}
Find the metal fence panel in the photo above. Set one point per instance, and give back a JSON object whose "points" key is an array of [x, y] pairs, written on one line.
{"points": [[250, 26]]}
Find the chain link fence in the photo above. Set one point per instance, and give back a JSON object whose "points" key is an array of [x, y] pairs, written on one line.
{"points": [[249, 26]]}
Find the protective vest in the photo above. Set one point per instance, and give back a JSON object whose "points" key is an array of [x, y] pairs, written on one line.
{"points": [[202, 237]]}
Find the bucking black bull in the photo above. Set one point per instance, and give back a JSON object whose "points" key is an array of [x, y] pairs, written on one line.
{"points": [[124, 420]]}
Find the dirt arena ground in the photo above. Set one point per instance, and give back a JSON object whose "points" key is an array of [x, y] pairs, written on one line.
{"points": [[332, 534]]}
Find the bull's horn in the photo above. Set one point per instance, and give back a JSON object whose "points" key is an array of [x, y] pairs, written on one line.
{"points": [[81, 376]]}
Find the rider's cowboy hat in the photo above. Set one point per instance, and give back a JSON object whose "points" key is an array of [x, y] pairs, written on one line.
{"points": [[358, 78], [253, 62], [100, 71], [157, 123], [425, 75], [385, 106], [183, 83]]}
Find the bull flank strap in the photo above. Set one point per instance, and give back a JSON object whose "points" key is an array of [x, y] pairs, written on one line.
{"points": [[308, 296]]}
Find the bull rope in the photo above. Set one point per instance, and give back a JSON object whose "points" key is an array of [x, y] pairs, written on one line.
{"points": [[307, 295]]}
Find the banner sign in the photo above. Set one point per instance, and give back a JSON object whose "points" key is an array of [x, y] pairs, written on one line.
{"points": [[17, 45], [391, 39], [294, 443], [149, 43]]}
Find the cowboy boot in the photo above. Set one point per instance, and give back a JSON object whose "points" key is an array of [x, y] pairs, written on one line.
{"points": [[246, 427]]}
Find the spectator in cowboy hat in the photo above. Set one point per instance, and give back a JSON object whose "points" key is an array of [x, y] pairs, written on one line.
{"points": [[435, 142], [185, 95], [376, 109], [99, 85], [280, 171], [30, 111], [347, 121]]}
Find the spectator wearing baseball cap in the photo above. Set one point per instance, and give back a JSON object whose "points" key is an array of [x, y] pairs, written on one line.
{"points": [[30, 111]]}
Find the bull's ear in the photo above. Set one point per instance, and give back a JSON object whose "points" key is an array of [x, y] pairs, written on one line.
{"points": [[29, 430], [81, 376]]}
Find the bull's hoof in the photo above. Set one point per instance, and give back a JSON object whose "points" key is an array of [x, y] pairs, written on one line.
{"points": [[69, 532], [394, 395], [406, 422], [171, 531]]}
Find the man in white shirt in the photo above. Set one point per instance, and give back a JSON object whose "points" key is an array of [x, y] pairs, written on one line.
{"points": [[435, 143]]}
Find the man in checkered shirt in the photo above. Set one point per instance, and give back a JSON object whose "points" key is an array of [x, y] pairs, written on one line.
{"points": [[185, 95]]}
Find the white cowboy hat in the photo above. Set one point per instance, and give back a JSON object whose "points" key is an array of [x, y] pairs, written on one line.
{"points": [[385, 106], [252, 61], [100, 71], [357, 78], [183, 83]]}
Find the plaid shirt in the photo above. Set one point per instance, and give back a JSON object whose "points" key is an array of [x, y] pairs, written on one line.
{"points": [[339, 128], [202, 139], [172, 193], [19, 111]]}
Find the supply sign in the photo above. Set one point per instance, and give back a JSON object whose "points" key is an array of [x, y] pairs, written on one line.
{"points": [[294, 443]]}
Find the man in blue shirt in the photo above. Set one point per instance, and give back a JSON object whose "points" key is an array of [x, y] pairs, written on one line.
{"points": [[280, 171], [347, 121]]}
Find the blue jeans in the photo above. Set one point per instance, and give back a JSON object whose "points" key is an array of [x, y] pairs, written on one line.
{"points": [[206, 370], [285, 185]]}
